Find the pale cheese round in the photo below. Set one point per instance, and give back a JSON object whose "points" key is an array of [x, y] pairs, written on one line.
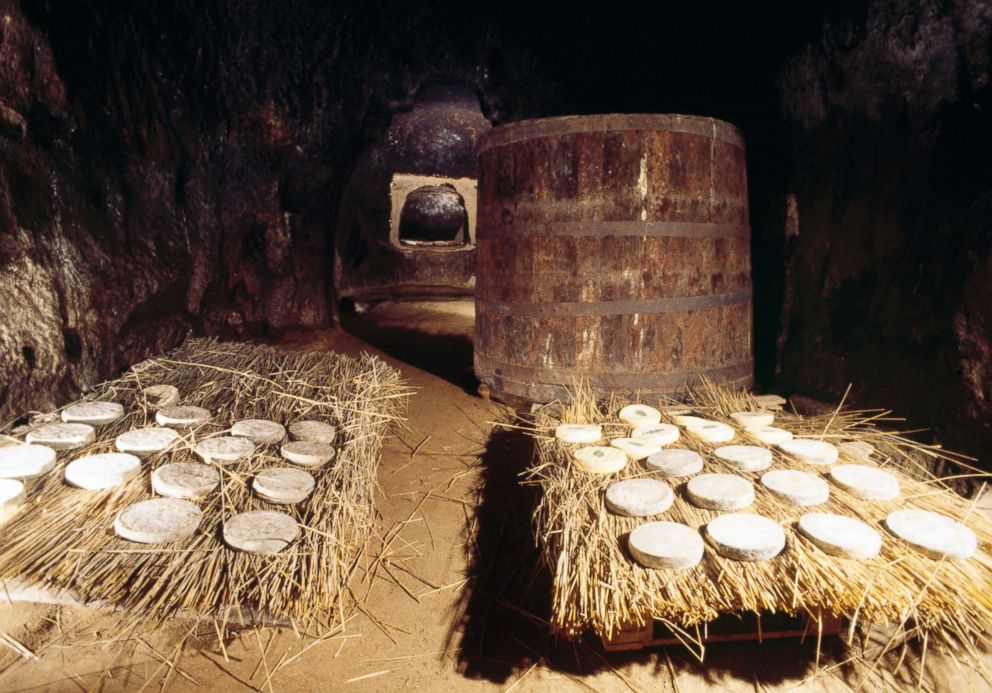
{"points": [[636, 448], [665, 545], [639, 497], [312, 432], [146, 441], [183, 416], [932, 534], [103, 471], [158, 521], [746, 536], [185, 480], [62, 436], [224, 449], [93, 413], [597, 459], [12, 495], [816, 452], [745, 458], [720, 491], [711, 431], [867, 483], [659, 433], [857, 449], [769, 435], [26, 461], [639, 414], [839, 535], [284, 485], [675, 462], [795, 487], [259, 431], [260, 531], [307, 454], [686, 419], [753, 419], [579, 433]]}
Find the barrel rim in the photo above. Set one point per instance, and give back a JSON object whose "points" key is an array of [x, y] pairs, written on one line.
{"points": [[524, 130]]}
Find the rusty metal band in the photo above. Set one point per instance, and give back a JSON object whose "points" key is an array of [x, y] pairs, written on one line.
{"points": [[486, 367], [570, 125], [671, 229], [624, 307]]}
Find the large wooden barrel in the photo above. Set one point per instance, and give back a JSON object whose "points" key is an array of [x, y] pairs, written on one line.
{"points": [[613, 250]]}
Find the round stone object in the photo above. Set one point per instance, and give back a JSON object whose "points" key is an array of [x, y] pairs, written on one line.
{"points": [[259, 431], [798, 488], [11, 494], [636, 448], [857, 449], [660, 433], [711, 431], [639, 497], [745, 458], [224, 449], [816, 452], [639, 414], [675, 462], [720, 491], [746, 536], [185, 480], [932, 534], [579, 433], [665, 545], [283, 485], [146, 441], [839, 535], [106, 470], [597, 459], [260, 531], [62, 436], [307, 454], [182, 416], [93, 413], [769, 435], [158, 521], [25, 461], [158, 396], [753, 419], [312, 432], [867, 483]]}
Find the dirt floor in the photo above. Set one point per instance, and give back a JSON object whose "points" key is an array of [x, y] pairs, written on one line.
{"points": [[461, 600]]}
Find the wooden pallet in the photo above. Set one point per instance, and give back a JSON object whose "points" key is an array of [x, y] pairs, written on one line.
{"points": [[726, 628]]}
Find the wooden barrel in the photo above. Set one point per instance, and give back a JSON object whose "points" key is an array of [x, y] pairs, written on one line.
{"points": [[613, 250]]}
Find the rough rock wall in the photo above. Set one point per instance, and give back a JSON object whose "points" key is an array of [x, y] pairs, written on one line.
{"points": [[889, 280]]}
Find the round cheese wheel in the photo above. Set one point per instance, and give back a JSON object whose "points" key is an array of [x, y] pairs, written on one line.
{"points": [[868, 483], [579, 433], [639, 497], [711, 431], [146, 441], [26, 461], [686, 419], [106, 470], [815, 452], [635, 448], [665, 545], [307, 454], [596, 459], [259, 431], [857, 449], [798, 488], [12, 495], [63, 436], [284, 485], [746, 536], [842, 536], [185, 480], [769, 435], [661, 434], [639, 414], [312, 432], [675, 462], [182, 416], [753, 419], [933, 534], [93, 413], [158, 396], [720, 491], [157, 521], [260, 531], [745, 458], [224, 449]]}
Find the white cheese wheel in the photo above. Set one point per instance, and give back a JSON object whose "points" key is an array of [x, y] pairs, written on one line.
{"points": [[158, 521], [798, 488], [62, 436], [93, 413], [636, 448], [12, 495], [158, 396], [686, 419], [839, 535], [307, 454], [146, 441], [675, 462], [769, 435], [857, 449], [660, 433], [770, 402], [260, 531], [312, 432], [710, 431], [720, 491], [579, 433], [106, 470], [665, 545], [810, 451], [867, 483], [933, 534], [259, 431], [745, 458], [224, 449], [25, 461], [746, 536], [639, 497], [284, 485], [597, 459], [185, 480], [184, 416], [639, 414], [753, 419]]}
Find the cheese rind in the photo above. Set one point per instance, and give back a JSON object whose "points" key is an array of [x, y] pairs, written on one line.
{"points": [[639, 497], [665, 545], [720, 492], [746, 536]]}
